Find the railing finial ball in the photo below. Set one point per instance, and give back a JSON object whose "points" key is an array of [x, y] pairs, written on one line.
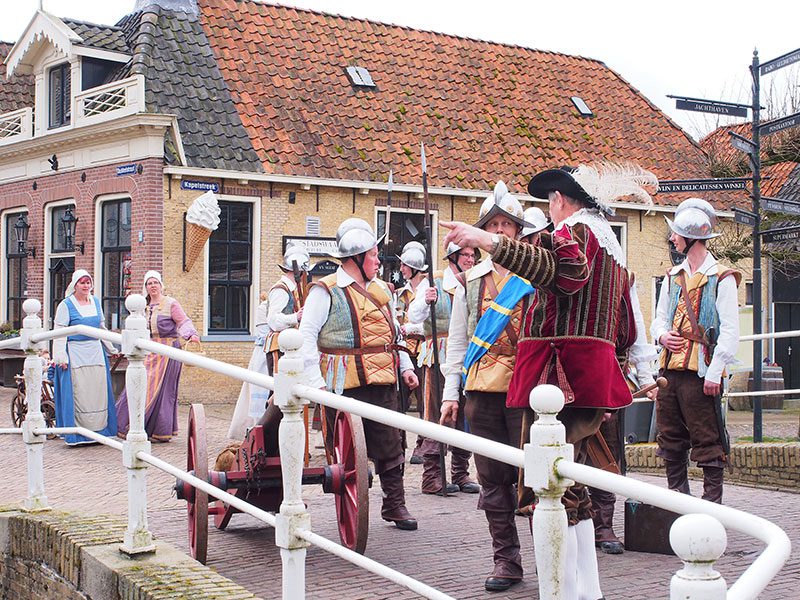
{"points": [[547, 399], [698, 538], [290, 340], [135, 303], [31, 306]]}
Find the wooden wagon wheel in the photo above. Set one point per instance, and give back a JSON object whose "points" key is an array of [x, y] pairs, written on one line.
{"points": [[197, 503], [19, 406], [352, 493]]}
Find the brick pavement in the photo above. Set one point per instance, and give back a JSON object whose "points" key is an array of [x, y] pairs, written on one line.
{"points": [[450, 551]]}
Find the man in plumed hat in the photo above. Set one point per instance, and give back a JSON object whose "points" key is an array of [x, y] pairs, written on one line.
{"points": [[697, 324], [581, 320]]}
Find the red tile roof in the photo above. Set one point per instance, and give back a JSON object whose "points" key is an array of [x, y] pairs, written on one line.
{"points": [[485, 111]]}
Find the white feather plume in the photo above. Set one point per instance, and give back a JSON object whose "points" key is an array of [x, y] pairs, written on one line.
{"points": [[609, 182]]}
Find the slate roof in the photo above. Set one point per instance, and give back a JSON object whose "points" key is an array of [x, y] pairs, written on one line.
{"points": [[182, 78], [485, 111], [17, 92], [104, 37]]}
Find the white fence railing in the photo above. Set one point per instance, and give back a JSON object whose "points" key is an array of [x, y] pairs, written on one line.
{"points": [[698, 538], [16, 125], [110, 101]]}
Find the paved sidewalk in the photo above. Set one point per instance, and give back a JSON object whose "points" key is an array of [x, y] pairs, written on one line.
{"points": [[450, 551]]}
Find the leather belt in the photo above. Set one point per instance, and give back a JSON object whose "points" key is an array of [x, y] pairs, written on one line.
{"points": [[385, 348]]}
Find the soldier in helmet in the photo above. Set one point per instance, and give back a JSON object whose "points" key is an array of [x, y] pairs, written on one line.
{"points": [[697, 324], [445, 285], [481, 353], [537, 222], [350, 344], [281, 309], [413, 267]]}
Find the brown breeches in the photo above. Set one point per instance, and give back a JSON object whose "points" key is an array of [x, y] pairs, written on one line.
{"points": [[686, 419]]}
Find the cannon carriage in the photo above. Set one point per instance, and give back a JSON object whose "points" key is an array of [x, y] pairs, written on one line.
{"points": [[255, 476]]}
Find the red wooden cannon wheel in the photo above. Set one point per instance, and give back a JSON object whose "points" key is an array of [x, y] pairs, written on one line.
{"points": [[19, 408], [197, 503], [352, 502]]}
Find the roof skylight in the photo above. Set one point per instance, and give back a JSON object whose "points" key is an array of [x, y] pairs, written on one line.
{"points": [[582, 107], [359, 76]]}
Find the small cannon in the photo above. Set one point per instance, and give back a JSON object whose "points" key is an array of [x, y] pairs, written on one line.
{"points": [[255, 476]]}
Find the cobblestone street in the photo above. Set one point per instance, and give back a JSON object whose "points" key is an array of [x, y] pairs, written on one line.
{"points": [[450, 551]]}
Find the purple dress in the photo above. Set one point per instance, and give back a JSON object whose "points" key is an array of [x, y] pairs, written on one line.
{"points": [[167, 323]]}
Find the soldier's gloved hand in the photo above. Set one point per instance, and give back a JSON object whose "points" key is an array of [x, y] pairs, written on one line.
{"points": [[410, 379]]}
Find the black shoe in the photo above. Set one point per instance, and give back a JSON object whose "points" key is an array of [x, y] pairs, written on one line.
{"points": [[611, 547], [452, 488], [415, 460], [470, 488], [499, 584], [404, 524]]}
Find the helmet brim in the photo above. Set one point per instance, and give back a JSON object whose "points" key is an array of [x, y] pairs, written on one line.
{"points": [[677, 231], [497, 211]]}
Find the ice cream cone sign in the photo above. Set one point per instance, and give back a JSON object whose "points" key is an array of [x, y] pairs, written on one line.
{"points": [[201, 219]]}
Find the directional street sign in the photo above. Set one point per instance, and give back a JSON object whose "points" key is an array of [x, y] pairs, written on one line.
{"points": [[782, 206], [745, 217], [742, 143], [710, 106], [780, 124], [703, 185], [780, 62], [784, 234]]}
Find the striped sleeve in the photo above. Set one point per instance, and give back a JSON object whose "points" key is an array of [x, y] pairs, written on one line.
{"points": [[557, 264]]}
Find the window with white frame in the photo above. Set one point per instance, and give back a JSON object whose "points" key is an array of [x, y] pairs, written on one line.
{"points": [[61, 258], [230, 269], [60, 100], [16, 272], [115, 250]]}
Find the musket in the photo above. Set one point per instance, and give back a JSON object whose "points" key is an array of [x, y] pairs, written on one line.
{"points": [[434, 338], [387, 240]]}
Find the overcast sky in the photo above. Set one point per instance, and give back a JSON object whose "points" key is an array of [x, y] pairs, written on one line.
{"points": [[697, 48]]}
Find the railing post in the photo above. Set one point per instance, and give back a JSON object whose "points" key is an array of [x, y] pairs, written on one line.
{"points": [[291, 440], [698, 540], [137, 539], [34, 444], [548, 446]]}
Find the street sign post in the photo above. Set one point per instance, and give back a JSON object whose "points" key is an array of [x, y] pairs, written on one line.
{"points": [[742, 143], [780, 62], [779, 124], [703, 185], [731, 109], [745, 217], [782, 206], [782, 234]]}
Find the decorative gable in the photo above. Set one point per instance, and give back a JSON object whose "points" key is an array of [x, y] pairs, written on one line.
{"points": [[43, 31]]}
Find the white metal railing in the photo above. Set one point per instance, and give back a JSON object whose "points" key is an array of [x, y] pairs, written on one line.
{"points": [[110, 101], [698, 538], [16, 125]]}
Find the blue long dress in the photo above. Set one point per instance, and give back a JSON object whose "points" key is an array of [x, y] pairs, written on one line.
{"points": [[77, 347]]}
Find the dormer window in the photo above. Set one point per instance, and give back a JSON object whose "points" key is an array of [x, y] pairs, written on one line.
{"points": [[60, 101]]}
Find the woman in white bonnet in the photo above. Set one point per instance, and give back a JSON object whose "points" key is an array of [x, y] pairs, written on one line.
{"points": [[82, 386], [168, 323]]}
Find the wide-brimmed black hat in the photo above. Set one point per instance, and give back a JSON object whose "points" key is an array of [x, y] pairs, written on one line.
{"points": [[559, 180]]}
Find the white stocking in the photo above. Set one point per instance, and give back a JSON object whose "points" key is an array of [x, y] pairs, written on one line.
{"points": [[570, 588], [588, 575]]}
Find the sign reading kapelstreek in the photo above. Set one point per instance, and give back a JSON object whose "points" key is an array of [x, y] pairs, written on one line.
{"points": [[780, 124], [780, 62], [703, 185], [784, 234], [781, 206], [709, 106], [203, 186]]}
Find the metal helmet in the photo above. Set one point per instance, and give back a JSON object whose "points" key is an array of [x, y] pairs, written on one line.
{"points": [[296, 253], [703, 205], [354, 236], [536, 221], [500, 202], [693, 224], [453, 249], [413, 256]]}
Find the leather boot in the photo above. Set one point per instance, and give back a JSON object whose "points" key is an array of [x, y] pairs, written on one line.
{"points": [[712, 484], [678, 476], [505, 546], [459, 471], [603, 507], [417, 457], [432, 476], [394, 500]]}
